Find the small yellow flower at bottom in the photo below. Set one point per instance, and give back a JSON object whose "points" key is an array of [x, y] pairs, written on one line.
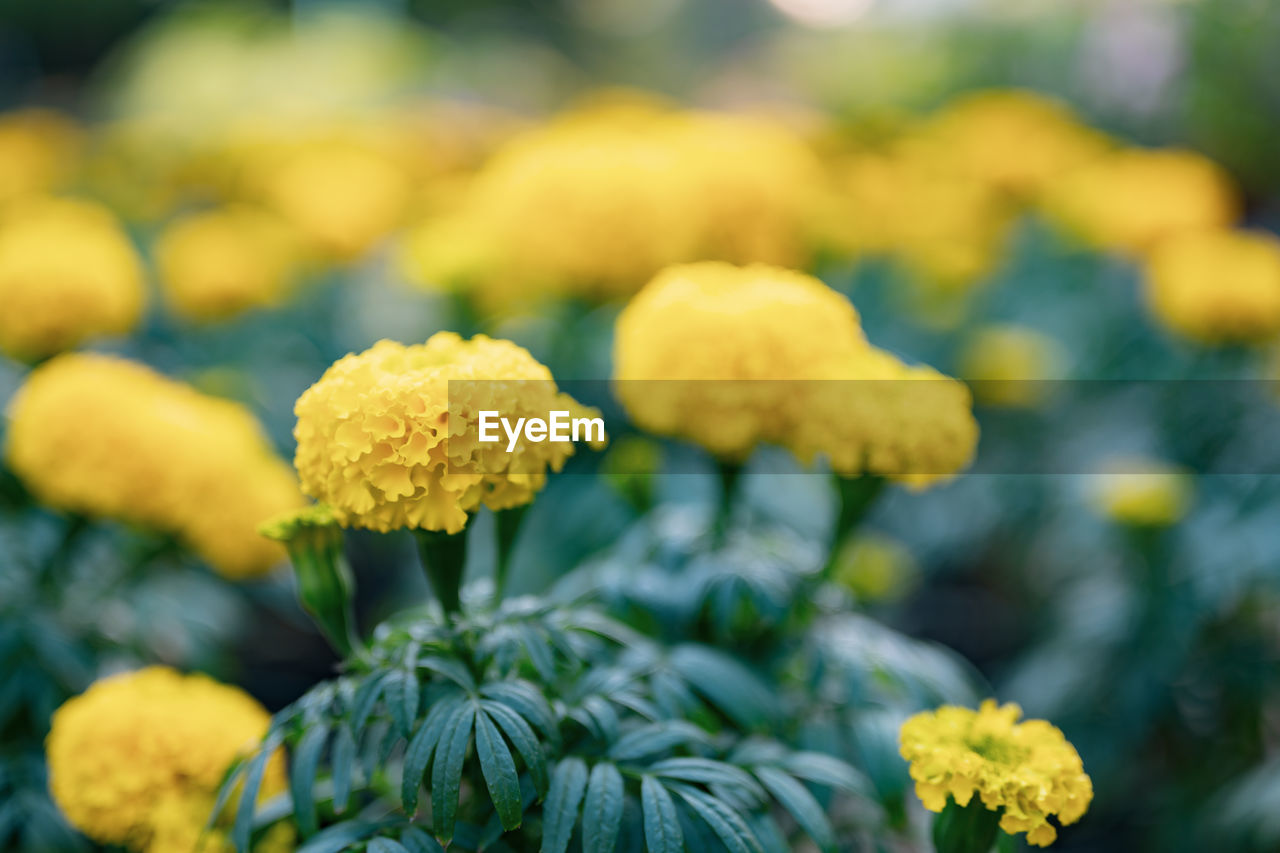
{"points": [[1142, 492], [1028, 769], [136, 760]]}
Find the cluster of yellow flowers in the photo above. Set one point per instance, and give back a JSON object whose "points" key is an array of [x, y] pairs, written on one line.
{"points": [[111, 438], [595, 202], [1142, 492], [1028, 771], [791, 367], [136, 760], [68, 272], [390, 437]]}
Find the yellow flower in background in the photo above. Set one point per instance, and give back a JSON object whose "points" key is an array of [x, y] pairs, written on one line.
{"points": [[111, 438], [758, 330], [875, 567], [1028, 769], [1142, 492], [136, 760], [68, 273], [1012, 139], [1131, 199], [1010, 365], [39, 150], [220, 263], [390, 437], [1216, 286]]}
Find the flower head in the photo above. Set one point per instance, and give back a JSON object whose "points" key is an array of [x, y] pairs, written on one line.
{"points": [[111, 438], [1217, 286], [136, 760], [1131, 199], [38, 152], [390, 437], [1028, 769], [217, 264], [1142, 492], [67, 273], [1010, 365]]}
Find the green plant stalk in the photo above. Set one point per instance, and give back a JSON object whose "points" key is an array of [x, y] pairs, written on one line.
{"points": [[966, 829], [856, 497], [326, 586], [444, 557], [730, 473], [507, 524]]}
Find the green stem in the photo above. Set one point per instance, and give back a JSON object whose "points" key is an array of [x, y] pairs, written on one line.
{"points": [[507, 523], [856, 497], [444, 557], [326, 587], [968, 829], [729, 473]]}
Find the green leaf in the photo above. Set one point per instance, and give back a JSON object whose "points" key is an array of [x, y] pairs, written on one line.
{"points": [[450, 669], [726, 823], [499, 770], [402, 699], [729, 685], [602, 811], [385, 845], [525, 741], [796, 799], [225, 790], [343, 761], [302, 777], [654, 738], [527, 701], [417, 754], [242, 829], [560, 814], [539, 652], [340, 837], [417, 841], [826, 770], [366, 699], [446, 772], [707, 772], [661, 822]]}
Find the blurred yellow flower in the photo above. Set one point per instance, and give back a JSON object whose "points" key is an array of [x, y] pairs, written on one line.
{"points": [[222, 262], [1013, 139], [791, 367], [1131, 199], [1028, 769], [67, 273], [875, 567], [389, 438], [38, 152], [1217, 286], [111, 438], [1010, 365], [136, 760], [597, 201], [1142, 492]]}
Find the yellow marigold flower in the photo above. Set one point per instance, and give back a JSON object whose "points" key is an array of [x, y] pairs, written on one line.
{"points": [[67, 273], [390, 437], [38, 152], [220, 263], [111, 438], [1015, 140], [1142, 492], [1028, 769], [136, 760], [739, 325], [1010, 365], [792, 368], [875, 567], [1217, 286], [1131, 199]]}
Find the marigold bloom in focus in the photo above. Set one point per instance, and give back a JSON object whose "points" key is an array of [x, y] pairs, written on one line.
{"points": [[1142, 492], [1217, 286], [67, 273], [389, 437], [111, 438], [217, 264], [791, 367], [1131, 199], [136, 760], [38, 152], [1014, 140], [1028, 769]]}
